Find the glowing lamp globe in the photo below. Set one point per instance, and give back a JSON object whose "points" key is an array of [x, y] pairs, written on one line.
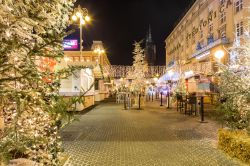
{"points": [[155, 79], [78, 14], [219, 54], [87, 18], [74, 18]]}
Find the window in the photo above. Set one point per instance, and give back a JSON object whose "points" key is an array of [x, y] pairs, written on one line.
{"points": [[222, 17], [202, 43], [210, 27], [187, 43], [96, 84], [222, 2], [198, 46], [210, 39], [201, 34], [222, 32], [201, 4], [238, 5], [76, 59], [182, 37], [239, 29]]}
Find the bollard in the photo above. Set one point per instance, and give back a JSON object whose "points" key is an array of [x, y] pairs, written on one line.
{"points": [[139, 101], [202, 109], [161, 99], [128, 102], [168, 98], [125, 106]]}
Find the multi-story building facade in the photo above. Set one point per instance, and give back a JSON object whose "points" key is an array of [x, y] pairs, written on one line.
{"points": [[207, 31]]}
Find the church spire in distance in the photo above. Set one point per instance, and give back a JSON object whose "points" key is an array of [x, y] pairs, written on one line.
{"points": [[150, 49], [149, 36]]}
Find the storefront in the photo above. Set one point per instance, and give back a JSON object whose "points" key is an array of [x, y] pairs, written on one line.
{"points": [[79, 84]]}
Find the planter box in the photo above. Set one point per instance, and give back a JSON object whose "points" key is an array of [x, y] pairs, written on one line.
{"points": [[22, 162], [236, 144]]}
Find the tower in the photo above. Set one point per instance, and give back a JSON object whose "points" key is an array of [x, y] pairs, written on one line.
{"points": [[150, 49]]}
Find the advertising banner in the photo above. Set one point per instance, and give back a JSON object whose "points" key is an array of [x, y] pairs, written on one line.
{"points": [[70, 44]]}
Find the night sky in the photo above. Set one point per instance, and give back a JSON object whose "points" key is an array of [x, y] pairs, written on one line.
{"points": [[119, 23]]}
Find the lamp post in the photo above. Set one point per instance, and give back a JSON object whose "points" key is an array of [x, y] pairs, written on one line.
{"points": [[170, 73], [168, 95], [156, 78], [80, 15], [161, 100], [147, 92], [219, 55]]}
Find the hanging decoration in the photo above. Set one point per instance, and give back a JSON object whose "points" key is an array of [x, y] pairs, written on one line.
{"points": [[119, 71]]}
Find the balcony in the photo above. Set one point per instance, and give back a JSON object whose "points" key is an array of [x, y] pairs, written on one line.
{"points": [[211, 45], [171, 63]]}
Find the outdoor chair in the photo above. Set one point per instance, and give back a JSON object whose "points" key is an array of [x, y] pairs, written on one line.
{"points": [[192, 105], [181, 103]]}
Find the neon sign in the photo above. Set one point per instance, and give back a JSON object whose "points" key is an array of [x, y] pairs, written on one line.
{"points": [[70, 44]]}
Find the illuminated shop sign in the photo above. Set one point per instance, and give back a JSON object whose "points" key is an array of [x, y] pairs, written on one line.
{"points": [[70, 44], [204, 22], [211, 16]]}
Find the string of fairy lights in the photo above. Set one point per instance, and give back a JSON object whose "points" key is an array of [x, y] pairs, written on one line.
{"points": [[119, 71]]}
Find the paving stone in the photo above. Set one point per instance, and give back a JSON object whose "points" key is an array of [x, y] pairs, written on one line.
{"points": [[111, 136]]}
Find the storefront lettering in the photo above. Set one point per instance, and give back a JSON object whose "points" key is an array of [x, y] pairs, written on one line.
{"points": [[175, 48], [225, 6], [211, 16], [204, 22]]}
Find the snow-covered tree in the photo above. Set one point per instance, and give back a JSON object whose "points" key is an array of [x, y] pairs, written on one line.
{"points": [[235, 85], [140, 67], [31, 32]]}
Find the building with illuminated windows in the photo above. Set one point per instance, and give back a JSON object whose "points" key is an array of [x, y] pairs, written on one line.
{"points": [[202, 38]]}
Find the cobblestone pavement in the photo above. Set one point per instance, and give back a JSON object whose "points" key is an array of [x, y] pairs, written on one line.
{"points": [[111, 136]]}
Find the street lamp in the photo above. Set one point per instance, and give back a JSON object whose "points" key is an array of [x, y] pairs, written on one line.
{"points": [[170, 74], [155, 79], [80, 15], [219, 55]]}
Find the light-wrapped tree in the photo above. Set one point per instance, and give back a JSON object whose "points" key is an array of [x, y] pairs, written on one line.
{"points": [[235, 85], [30, 32], [140, 67]]}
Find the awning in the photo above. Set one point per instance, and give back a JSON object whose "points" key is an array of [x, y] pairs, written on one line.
{"points": [[167, 76]]}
